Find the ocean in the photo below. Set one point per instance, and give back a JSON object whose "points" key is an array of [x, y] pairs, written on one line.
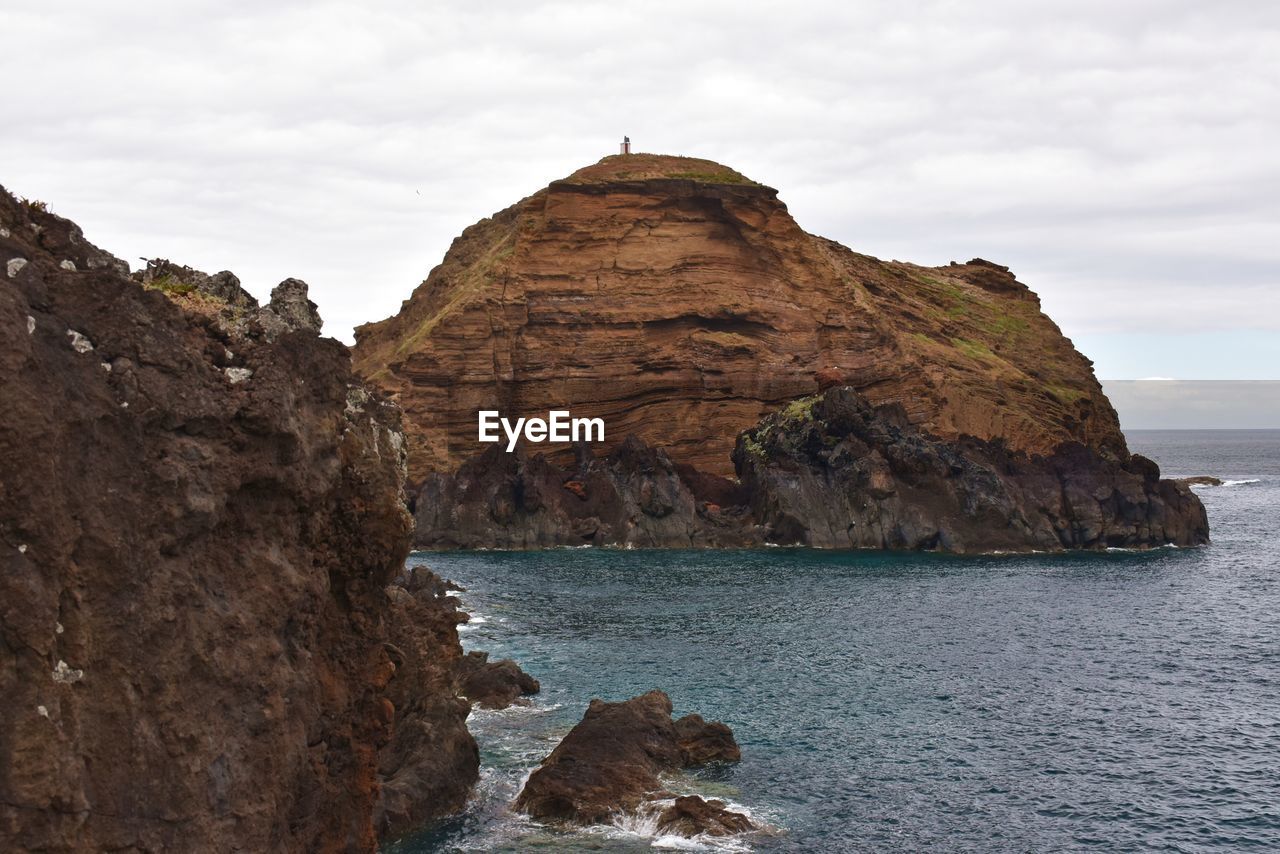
{"points": [[908, 702]]}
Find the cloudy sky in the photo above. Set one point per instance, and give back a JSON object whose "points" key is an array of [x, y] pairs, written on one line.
{"points": [[1122, 157]]}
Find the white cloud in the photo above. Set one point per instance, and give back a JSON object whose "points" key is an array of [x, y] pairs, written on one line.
{"points": [[1120, 157]]}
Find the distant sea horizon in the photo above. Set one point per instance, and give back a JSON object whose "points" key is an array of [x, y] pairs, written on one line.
{"points": [[1163, 404]]}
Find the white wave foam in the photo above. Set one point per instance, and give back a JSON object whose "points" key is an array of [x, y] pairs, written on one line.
{"points": [[1244, 482], [476, 620], [515, 710]]}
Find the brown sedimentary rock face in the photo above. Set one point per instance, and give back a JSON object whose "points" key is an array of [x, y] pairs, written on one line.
{"points": [[680, 302]]}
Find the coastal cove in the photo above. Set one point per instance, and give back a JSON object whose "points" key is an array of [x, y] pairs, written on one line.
{"points": [[912, 701]]}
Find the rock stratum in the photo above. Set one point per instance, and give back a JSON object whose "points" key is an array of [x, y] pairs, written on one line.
{"points": [[680, 302], [201, 516]]}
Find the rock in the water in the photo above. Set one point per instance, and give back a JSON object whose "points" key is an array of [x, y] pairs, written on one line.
{"points": [[829, 471], [692, 816], [609, 763], [702, 741], [493, 684], [635, 496], [1199, 480]]}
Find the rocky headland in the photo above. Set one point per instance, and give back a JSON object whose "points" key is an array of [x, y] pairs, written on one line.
{"points": [[679, 301]]}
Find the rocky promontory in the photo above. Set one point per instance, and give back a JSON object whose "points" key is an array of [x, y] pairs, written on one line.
{"points": [[680, 303], [201, 510]]}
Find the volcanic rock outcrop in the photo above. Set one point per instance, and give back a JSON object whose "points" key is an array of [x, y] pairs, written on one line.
{"points": [[635, 496], [836, 472], [200, 511], [829, 471], [610, 761], [681, 303]]}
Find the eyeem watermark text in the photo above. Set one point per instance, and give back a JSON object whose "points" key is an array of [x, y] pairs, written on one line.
{"points": [[559, 426]]}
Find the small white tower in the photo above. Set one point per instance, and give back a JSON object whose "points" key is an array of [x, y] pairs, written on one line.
{"points": [[626, 145]]}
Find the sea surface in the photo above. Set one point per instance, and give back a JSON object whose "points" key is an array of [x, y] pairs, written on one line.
{"points": [[908, 702]]}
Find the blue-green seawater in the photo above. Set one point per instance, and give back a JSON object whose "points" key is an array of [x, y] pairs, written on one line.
{"points": [[909, 702]]}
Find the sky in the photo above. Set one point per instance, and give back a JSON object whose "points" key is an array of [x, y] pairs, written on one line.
{"points": [[1122, 158]]}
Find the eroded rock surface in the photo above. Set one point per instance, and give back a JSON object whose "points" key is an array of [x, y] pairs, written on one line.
{"points": [[830, 471], [609, 763], [197, 529]]}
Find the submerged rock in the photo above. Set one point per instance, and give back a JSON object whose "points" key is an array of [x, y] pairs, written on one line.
{"points": [[609, 763], [702, 742]]}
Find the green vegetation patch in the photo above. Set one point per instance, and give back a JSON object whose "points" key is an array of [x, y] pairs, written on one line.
{"points": [[1065, 394], [974, 349], [170, 286], [799, 410], [725, 177]]}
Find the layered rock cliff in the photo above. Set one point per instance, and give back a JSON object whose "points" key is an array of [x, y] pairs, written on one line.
{"points": [[200, 512], [680, 302]]}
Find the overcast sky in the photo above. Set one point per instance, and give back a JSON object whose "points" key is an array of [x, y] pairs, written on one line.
{"points": [[1122, 157]]}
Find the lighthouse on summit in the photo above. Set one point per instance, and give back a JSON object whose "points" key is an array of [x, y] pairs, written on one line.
{"points": [[626, 145]]}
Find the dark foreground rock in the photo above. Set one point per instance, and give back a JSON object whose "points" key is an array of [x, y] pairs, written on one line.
{"points": [[493, 684], [431, 761], [198, 523], [609, 763]]}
